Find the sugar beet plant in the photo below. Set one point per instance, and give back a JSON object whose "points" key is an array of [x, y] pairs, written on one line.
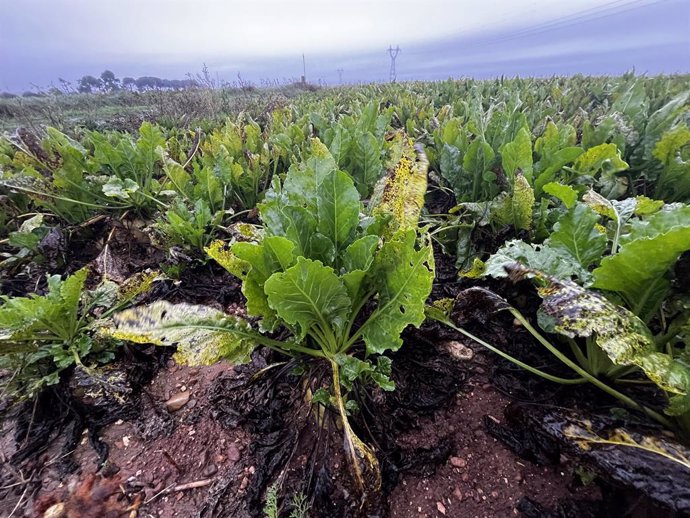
{"points": [[42, 335], [344, 281]]}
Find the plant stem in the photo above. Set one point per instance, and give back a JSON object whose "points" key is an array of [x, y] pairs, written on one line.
{"points": [[582, 372], [353, 446], [577, 352], [529, 368], [154, 199], [355, 312], [61, 198]]}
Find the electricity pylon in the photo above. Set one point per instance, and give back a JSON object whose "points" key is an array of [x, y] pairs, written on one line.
{"points": [[340, 75], [393, 52]]}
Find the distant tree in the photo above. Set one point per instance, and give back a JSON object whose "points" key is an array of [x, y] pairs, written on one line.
{"points": [[29, 93], [109, 83], [128, 83], [7, 95], [142, 83], [87, 84], [148, 83]]}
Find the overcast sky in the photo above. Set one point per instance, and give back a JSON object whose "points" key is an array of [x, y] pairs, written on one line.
{"points": [[41, 40]]}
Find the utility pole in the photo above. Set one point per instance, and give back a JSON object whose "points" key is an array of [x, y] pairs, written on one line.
{"points": [[304, 70], [393, 52], [340, 75]]}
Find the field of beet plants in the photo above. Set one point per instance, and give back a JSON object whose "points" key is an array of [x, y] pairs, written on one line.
{"points": [[463, 299]]}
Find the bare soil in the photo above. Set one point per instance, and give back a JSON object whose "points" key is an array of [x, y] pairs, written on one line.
{"points": [[160, 453], [483, 478]]}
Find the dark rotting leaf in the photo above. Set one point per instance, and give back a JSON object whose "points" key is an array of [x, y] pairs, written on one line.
{"points": [[83, 400], [477, 304], [639, 458]]}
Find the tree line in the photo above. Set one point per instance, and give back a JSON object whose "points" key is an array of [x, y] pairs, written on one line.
{"points": [[107, 82]]}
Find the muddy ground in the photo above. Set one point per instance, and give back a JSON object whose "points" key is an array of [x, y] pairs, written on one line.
{"points": [[158, 453], [204, 441]]}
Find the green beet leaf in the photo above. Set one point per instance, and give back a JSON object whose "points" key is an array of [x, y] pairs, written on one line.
{"points": [[673, 151], [403, 277], [517, 156], [604, 162], [639, 271], [338, 209], [577, 232], [565, 193], [308, 295]]}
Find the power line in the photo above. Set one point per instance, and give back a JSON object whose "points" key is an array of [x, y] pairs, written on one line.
{"points": [[593, 13], [393, 52]]}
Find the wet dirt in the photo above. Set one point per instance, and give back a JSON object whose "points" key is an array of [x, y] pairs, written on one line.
{"points": [[445, 460], [482, 478], [159, 454], [228, 441]]}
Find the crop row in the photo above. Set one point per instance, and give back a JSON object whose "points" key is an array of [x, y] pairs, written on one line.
{"points": [[330, 211]]}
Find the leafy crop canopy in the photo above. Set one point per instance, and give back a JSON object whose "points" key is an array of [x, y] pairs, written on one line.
{"points": [[320, 259], [652, 246]]}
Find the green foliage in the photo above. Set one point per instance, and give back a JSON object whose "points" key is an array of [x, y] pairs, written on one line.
{"points": [[132, 167], [556, 148], [26, 242], [466, 165], [299, 504], [565, 193], [193, 228], [356, 145], [673, 151], [516, 156], [43, 335], [577, 232], [603, 163], [271, 509], [311, 273], [108, 172], [238, 157], [638, 272], [477, 164]]}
